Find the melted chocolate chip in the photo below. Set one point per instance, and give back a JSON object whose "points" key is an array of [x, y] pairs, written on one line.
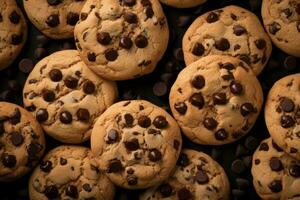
{"points": [[260, 43], [201, 177], [129, 2], [51, 192], [53, 2], [144, 121], [165, 190], [42, 115], [125, 42], [16, 138], [246, 109], [132, 145], [154, 155], [219, 98], [15, 118], [295, 171], [65, 117], [111, 54], [221, 135], [63, 161], [287, 105], [130, 17], [83, 115], [55, 75], [274, 28], [236, 88], [103, 38], [212, 17], [16, 39], [14, 17], [72, 191], [72, 18], [239, 30], [46, 166], [198, 49], [210, 123], [222, 44], [197, 100], [275, 186], [264, 147], [71, 82], [141, 41], [275, 164], [91, 56], [183, 160], [53, 21], [198, 82], [87, 187], [287, 121], [160, 122], [184, 194], [132, 180], [9, 161], [48, 95], [128, 120], [115, 166], [89, 87], [181, 107]]}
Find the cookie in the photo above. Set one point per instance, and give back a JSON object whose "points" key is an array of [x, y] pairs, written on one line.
{"points": [[66, 97], [13, 33], [183, 3], [22, 142], [136, 143], [70, 172], [282, 22], [122, 39], [216, 100], [275, 174], [54, 18], [197, 176], [282, 114], [228, 31]]}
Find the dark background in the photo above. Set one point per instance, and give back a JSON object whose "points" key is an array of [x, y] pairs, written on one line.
{"points": [[235, 158]]}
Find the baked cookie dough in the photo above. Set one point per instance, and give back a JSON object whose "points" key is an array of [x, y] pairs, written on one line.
{"points": [[54, 18], [216, 100], [282, 114], [22, 142], [69, 172], [136, 143], [66, 97], [197, 176], [231, 30], [122, 39], [183, 3], [13, 32]]}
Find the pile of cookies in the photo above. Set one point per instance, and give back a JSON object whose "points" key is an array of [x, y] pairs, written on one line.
{"points": [[72, 96]]}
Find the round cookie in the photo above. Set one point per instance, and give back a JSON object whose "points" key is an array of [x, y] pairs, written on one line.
{"points": [[66, 97], [70, 172], [276, 175], [22, 142], [13, 33], [54, 18], [282, 22], [197, 176], [136, 143], [122, 39], [216, 100], [282, 114], [183, 3], [231, 31]]}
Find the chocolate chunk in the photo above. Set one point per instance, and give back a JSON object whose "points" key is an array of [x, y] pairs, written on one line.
{"points": [[115, 166], [260, 43], [274, 28], [221, 135], [287, 121], [71, 82], [236, 88], [198, 82], [160, 122], [212, 17], [165, 190], [275, 186], [16, 39], [42, 115], [26, 65], [294, 170], [201, 177], [219, 98], [130, 17], [48, 95], [83, 115], [132, 180], [111, 54], [238, 166], [103, 38], [184, 194], [14, 17], [125, 42], [72, 191], [160, 89], [154, 155], [55, 75], [198, 49], [144, 121], [53, 2], [91, 56], [63, 161], [51, 192], [129, 2], [46, 166], [9, 161], [210, 123], [183, 160], [15, 118], [141, 41], [149, 12], [87, 187], [72, 18], [275, 164], [16, 138], [246, 109], [53, 21], [239, 30], [197, 100], [132, 145], [287, 105], [222, 44], [65, 117], [180, 107], [89, 87]]}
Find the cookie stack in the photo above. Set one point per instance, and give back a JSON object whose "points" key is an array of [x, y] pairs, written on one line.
{"points": [[72, 96]]}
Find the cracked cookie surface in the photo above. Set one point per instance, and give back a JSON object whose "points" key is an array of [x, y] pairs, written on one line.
{"points": [[122, 39], [213, 102], [282, 22], [276, 175], [231, 31], [136, 143], [13, 32], [66, 97], [197, 176], [282, 114], [22, 142], [70, 172], [183, 3], [54, 18]]}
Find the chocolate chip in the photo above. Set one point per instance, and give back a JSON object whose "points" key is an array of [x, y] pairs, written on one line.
{"points": [[210, 123], [201, 177], [275, 164], [87, 187], [141, 41], [183, 160], [257, 161], [125, 42], [219, 98], [14, 17], [89, 87], [112, 136], [245, 58], [160, 122], [111, 54], [53, 21], [275, 146], [287, 12], [287, 121], [83, 16], [72, 18], [65, 117], [132, 145], [146, 3], [48, 95], [221, 135], [91, 56], [115, 166], [238, 166], [130, 17], [72, 191], [103, 38], [293, 150], [275, 186], [246, 109], [83, 115], [260, 43], [71, 82], [227, 65], [128, 120], [295, 171], [239, 30], [180, 107], [129, 2], [16, 139], [160, 89], [198, 49], [26, 65], [154, 155], [16, 39], [274, 28], [165, 190], [144, 121], [132, 180], [236, 88], [15, 118], [212, 17], [53, 2], [222, 44], [152, 131], [9, 161], [184, 194], [63, 161], [42, 115], [287, 105], [51, 192], [46, 166], [197, 100], [149, 12], [198, 82], [55, 75]]}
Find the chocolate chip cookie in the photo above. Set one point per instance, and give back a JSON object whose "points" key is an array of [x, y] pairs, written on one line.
{"points": [[275, 174], [66, 97], [282, 114], [197, 176], [122, 39], [13, 32], [228, 31], [183, 3], [282, 22], [22, 142], [216, 100], [54, 18], [136, 143], [69, 172]]}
